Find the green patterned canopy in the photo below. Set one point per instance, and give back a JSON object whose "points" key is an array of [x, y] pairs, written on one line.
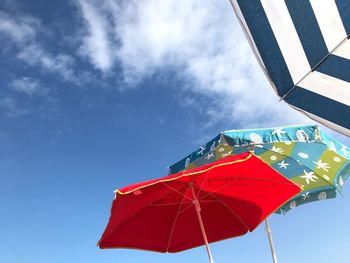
{"points": [[304, 154]]}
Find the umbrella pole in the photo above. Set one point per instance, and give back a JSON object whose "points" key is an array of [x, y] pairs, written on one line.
{"points": [[268, 231], [198, 211]]}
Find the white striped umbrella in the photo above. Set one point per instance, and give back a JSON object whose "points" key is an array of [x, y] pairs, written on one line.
{"points": [[304, 49]]}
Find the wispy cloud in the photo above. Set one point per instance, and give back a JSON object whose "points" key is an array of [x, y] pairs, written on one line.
{"points": [[20, 29], [199, 40], [29, 86], [9, 107], [61, 64], [23, 30], [96, 45]]}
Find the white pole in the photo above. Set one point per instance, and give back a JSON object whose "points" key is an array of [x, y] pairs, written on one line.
{"points": [[268, 231], [198, 211]]}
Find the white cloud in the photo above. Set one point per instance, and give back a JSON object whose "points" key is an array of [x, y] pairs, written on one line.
{"points": [[19, 29], [23, 30], [29, 86], [156, 34], [200, 40], [9, 107], [62, 64], [96, 44]]}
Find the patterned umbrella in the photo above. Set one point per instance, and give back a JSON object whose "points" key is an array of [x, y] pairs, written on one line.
{"points": [[303, 154], [304, 49]]}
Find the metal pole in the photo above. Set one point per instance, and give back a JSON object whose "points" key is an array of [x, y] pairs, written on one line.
{"points": [[268, 231], [198, 211]]}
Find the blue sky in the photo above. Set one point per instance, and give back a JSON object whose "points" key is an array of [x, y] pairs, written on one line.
{"points": [[96, 95]]}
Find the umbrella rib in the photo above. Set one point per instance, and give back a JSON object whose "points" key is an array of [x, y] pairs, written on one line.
{"points": [[183, 195], [200, 187], [315, 67], [177, 203], [176, 191], [169, 204], [179, 210], [175, 219], [236, 179], [231, 210]]}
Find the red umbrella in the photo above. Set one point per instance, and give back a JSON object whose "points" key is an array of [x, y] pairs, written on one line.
{"points": [[224, 199]]}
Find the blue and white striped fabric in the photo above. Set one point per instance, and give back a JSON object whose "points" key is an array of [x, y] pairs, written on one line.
{"points": [[304, 48]]}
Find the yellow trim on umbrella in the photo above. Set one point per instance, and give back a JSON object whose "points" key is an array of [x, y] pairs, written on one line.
{"points": [[183, 175]]}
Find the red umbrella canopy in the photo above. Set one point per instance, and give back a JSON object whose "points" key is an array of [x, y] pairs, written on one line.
{"points": [[234, 195]]}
